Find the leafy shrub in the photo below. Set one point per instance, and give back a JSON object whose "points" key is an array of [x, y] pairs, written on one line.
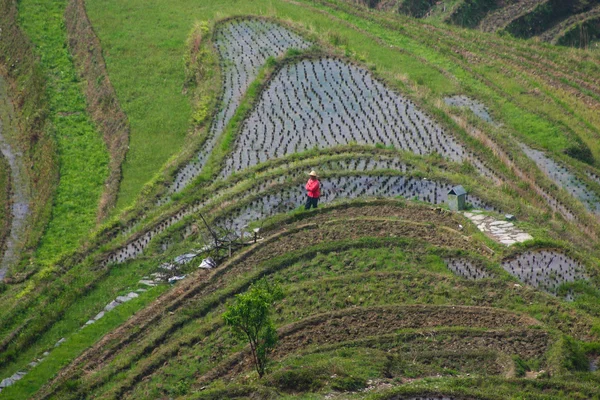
{"points": [[250, 318]]}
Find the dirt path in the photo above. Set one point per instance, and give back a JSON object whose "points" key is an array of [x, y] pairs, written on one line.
{"points": [[19, 185]]}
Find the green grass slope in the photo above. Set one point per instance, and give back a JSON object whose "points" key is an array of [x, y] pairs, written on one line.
{"points": [[82, 154], [371, 310], [340, 263]]}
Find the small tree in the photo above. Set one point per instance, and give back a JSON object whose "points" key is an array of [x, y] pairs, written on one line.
{"points": [[250, 318]]}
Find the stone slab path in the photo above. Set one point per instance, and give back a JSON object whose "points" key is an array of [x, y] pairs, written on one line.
{"points": [[504, 232]]}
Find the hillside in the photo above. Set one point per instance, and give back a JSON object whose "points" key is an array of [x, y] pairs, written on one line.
{"points": [[570, 23], [141, 139]]}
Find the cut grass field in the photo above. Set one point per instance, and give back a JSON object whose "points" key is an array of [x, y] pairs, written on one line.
{"points": [[150, 89]]}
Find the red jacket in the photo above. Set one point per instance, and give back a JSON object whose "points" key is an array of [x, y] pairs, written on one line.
{"points": [[313, 187]]}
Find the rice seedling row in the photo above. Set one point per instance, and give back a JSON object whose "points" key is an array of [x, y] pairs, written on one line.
{"points": [[545, 269], [345, 187], [137, 246], [449, 40], [324, 102], [243, 45], [554, 203], [467, 269]]}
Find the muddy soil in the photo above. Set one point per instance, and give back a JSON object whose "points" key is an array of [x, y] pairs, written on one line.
{"points": [[19, 184], [352, 324], [359, 323], [525, 342], [376, 208], [356, 323]]}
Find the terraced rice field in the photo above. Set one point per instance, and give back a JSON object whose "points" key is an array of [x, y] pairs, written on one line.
{"points": [[467, 269], [478, 108], [324, 102], [501, 18], [244, 45], [345, 187], [375, 321], [387, 293], [19, 188], [287, 198], [562, 32], [294, 335], [565, 179], [545, 269]]}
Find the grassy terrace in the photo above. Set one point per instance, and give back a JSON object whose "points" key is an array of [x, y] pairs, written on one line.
{"points": [[108, 284], [542, 96], [148, 81], [80, 277], [82, 154], [321, 277]]}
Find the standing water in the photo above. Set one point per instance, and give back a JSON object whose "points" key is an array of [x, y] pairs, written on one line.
{"points": [[20, 193]]}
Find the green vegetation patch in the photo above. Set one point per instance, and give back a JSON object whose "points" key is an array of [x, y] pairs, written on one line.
{"points": [[83, 157]]}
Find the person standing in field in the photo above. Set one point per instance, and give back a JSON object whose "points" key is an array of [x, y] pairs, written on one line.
{"points": [[313, 191]]}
